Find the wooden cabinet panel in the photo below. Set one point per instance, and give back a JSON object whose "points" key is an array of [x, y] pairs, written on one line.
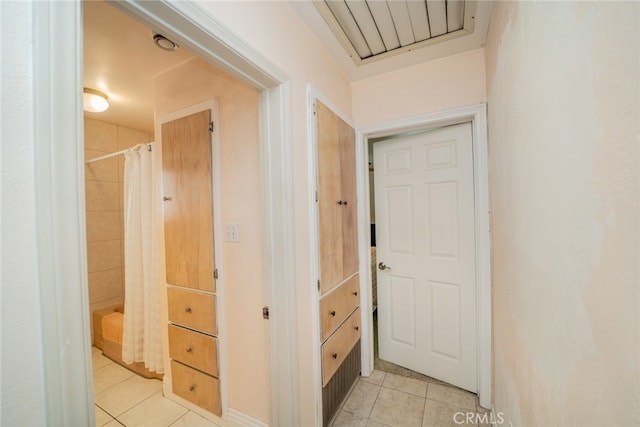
{"points": [[329, 194], [194, 349], [188, 223], [337, 204], [338, 346], [192, 309], [348, 191], [336, 306], [196, 387]]}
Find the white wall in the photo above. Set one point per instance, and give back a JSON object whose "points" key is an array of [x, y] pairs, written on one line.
{"points": [[443, 84], [563, 142], [22, 371]]}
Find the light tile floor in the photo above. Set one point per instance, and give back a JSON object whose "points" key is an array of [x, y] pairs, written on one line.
{"points": [[126, 399], [387, 399], [382, 400]]}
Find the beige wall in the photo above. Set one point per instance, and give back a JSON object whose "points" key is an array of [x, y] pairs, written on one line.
{"points": [[246, 332], [454, 81], [563, 126], [104, 209], [276, 31]]}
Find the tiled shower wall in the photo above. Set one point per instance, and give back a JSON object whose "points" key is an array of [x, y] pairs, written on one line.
{"points": [[105, 209]]}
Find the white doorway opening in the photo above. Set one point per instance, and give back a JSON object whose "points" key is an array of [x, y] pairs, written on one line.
{"points": [[476, 116], [59, 148]]}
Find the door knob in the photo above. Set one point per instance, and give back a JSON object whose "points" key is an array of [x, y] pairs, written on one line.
{"points": [[383, 267]]}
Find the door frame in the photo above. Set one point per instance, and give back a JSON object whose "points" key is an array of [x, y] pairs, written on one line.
{"points": [[477, 116], [61, 220]]}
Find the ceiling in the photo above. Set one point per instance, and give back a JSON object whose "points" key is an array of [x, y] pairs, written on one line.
{"points": [[120, 58], [426, 50], [374, 29]]}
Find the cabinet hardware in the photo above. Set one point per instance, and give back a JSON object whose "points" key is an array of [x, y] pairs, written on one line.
{"points": [[357, 328], [334, 355], [192, 388], [265, 312], [332, 312], [166, 199], [187, 309], [355, 293], [190, 350]]}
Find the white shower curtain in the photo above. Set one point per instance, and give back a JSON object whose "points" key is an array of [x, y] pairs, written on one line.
{"points": [[143, 263]]}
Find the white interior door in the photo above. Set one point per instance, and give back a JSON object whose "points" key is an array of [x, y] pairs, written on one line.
{"points": [[425, 237]]}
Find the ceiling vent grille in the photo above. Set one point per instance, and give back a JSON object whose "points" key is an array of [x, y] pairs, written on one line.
{"points": [[373, 29]]}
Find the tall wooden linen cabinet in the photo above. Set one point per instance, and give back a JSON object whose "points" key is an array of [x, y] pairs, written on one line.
{"points": [[191, 284], [339, 283]]}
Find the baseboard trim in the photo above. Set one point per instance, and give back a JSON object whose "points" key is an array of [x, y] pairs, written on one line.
{"points": [[244, 419]]}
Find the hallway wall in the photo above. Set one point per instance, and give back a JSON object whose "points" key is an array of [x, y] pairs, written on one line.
{"points": [[563, 90], [434, 86], [22, 370]]}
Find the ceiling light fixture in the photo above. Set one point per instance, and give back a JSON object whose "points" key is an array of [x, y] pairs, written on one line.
{"points": [[94, 101], [164, 43]]}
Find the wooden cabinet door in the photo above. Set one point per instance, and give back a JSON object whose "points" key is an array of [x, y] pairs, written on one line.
{"points": [[329, 194], [188, 220], [337, 204], [349, 207]]}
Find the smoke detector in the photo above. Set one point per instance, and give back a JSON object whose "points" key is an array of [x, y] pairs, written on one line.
{"points": [[164, 43]]}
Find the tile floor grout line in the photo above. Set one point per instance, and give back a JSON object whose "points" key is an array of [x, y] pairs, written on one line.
{"points": [[177, 419], [105, 411], [139, 403], [374, 402], [161, 395], [110, 387]]}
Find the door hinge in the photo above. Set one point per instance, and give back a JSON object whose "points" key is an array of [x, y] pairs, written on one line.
{"points": [[215, 273], [211, 127], [318, 285], [316, 196], [265, 312]]}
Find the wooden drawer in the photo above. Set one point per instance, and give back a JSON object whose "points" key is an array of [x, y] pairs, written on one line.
{"points": [[338, 346], [196, 387], [192, 309], [338, 305], [192, 348]]}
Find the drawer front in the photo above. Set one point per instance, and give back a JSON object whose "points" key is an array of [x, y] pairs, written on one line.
{"points": [[192, 309], [338, 346], [338, 305], [198, 388], [194, 349]]}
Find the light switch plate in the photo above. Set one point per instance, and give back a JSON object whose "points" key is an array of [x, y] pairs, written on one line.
{"points": [[231, 233]]}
